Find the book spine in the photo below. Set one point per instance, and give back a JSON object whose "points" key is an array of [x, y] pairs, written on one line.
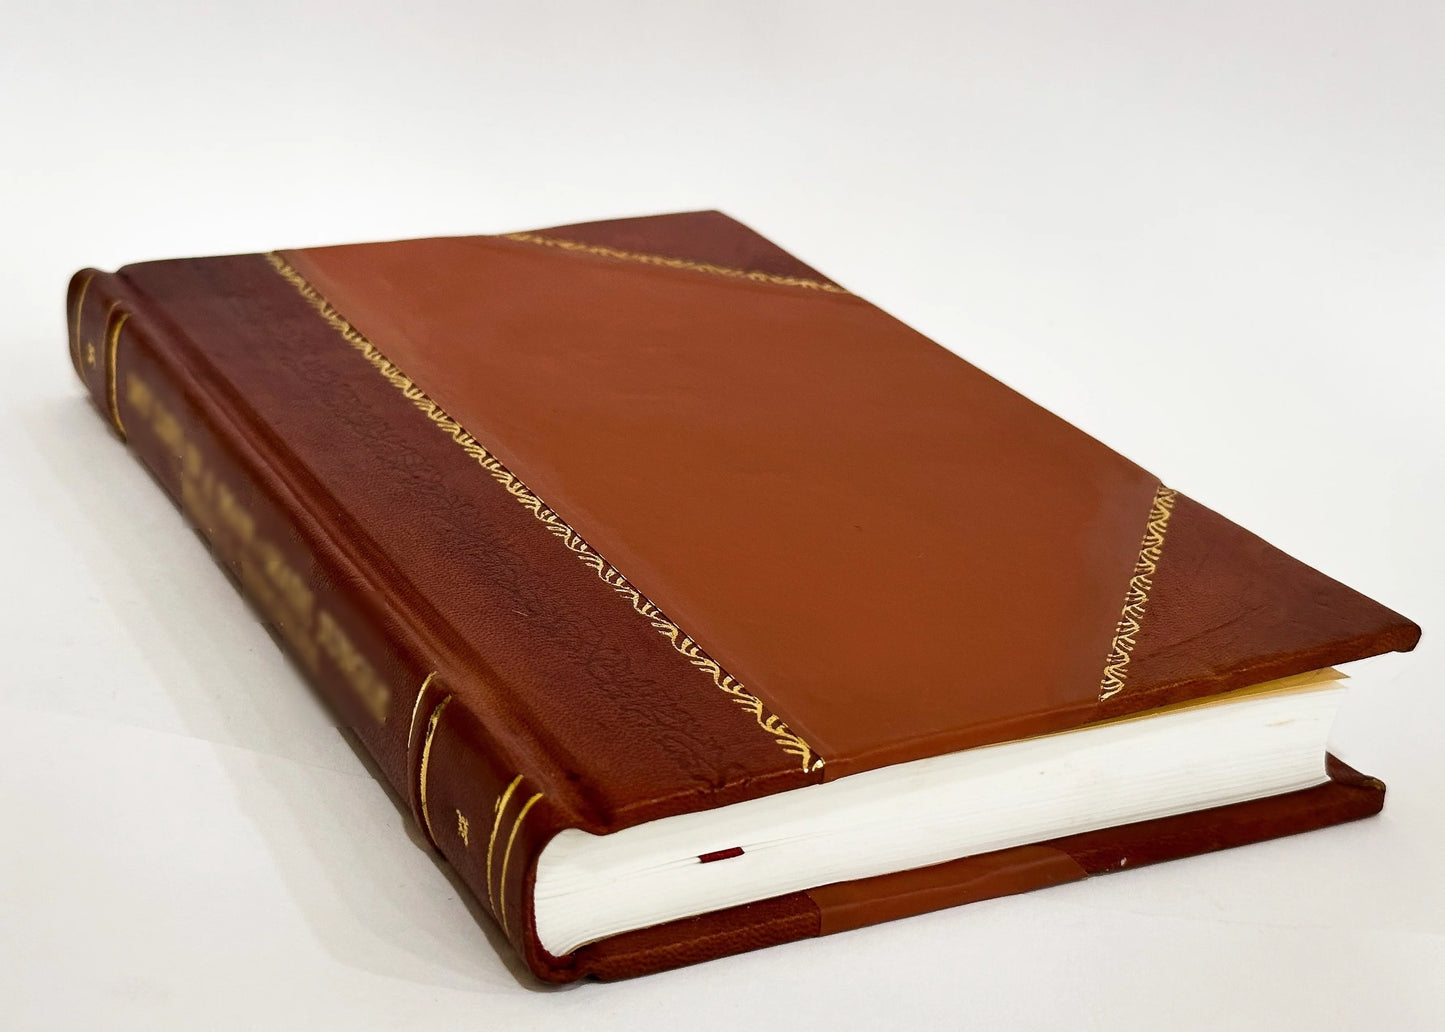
{"points": [[384, 676]]}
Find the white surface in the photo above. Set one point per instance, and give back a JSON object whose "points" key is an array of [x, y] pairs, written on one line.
{"points": [[933, 810], [1208, 233]]}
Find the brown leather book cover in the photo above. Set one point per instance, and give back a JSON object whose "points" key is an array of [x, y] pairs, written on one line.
{"points": [[588, 526]]}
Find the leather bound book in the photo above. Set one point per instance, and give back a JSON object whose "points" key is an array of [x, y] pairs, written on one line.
{"points": [[695, 605]]}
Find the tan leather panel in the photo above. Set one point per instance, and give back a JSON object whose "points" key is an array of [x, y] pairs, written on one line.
{"points": [[561, 678], [893, 550]]}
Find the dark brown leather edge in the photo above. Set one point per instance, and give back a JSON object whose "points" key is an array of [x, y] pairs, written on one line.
{"points": [[178, 425], [722, 933], [1227, 610], [1347, 796], [846, 905], [709, 237]]}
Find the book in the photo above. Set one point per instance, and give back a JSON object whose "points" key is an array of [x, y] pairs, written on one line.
{"points": [[696, 605]]}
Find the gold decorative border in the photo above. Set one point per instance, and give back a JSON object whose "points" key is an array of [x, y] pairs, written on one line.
{"points": [[790, 741], [675, 263], [1116, 668]]}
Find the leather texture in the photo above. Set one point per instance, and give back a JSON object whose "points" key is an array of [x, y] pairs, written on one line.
{"points": [[699, 236], [1348, 796], [866, 901], [1228, 610], [507, 691], [797, 479]]}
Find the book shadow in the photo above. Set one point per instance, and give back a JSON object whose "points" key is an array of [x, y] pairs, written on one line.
{"points": [[367, 902]]}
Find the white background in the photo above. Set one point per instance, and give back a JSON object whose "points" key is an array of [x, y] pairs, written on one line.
{"points": [[1210, 234]]}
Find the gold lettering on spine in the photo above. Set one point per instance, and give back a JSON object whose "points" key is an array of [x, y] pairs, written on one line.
{"points": [[233, 516], [138, 394], [501, 906], [279, 590], [353, 665], [464, 829]]}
